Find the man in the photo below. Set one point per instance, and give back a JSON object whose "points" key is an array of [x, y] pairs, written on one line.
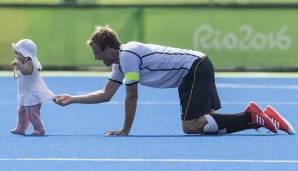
{"points": [[166, 67]]}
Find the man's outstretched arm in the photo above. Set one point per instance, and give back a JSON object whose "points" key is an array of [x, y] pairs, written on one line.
{"points": [[99, 96]]}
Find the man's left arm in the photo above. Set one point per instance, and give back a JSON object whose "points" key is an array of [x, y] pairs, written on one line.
{"points": [[129, 63], [130, 106], [130, 110]]}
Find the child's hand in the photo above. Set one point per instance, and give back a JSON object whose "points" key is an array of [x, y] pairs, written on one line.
{"points": [[14, 65]]}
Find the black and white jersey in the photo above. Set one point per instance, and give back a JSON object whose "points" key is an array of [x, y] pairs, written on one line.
{"points": [[153, 65]]}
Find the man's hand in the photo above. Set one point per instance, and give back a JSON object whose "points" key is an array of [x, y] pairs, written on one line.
{"points": [[63, 100], [116, 133]]}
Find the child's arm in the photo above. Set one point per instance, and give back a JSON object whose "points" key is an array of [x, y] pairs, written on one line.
{"points": [[26, 68]]}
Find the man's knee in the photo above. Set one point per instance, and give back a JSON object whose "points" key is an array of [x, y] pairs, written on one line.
{"points": [[194, 126], [187, 130]]}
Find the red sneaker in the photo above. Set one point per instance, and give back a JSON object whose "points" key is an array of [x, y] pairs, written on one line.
{"points": [[259, 118], [280, 122]]}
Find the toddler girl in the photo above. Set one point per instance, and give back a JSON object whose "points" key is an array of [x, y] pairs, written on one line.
{"points": [[31, 88]]}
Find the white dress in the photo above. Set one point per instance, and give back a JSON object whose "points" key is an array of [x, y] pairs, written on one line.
{"points": [[32, 89]]}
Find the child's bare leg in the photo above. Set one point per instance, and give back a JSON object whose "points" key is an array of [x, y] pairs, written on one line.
{"points": [[34, 115], [22, 122]]}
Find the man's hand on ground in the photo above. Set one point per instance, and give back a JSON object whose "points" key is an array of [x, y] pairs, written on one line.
{"points": [[116, 133]]}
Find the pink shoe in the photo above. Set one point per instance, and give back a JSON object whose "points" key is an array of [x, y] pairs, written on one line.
{"points": [[259, 118], [280, 122], [38, 133], [16, 131]]}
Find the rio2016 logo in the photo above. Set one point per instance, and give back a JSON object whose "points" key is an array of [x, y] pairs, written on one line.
{"points": [[207, 37]]}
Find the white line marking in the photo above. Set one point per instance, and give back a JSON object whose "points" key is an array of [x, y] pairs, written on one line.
{"points": [[105, 74], [257, 86], [148, 160], [177, 103]]}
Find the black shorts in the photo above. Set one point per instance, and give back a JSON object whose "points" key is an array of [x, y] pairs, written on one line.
{"points": [[197, 92]]}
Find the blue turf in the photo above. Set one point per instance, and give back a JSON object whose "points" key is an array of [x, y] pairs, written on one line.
{"points": [[76, 131]]}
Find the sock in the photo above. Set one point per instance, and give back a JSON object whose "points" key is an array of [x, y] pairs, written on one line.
{"points": [[211, 126], [233, 122]]}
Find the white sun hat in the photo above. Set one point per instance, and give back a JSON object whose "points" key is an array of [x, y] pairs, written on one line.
{"points": [[28, 49]]}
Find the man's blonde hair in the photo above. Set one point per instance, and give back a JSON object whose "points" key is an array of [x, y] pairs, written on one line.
{"points": [[104, 36]]}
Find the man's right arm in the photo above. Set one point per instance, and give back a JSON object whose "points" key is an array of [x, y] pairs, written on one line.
{"points": [[99, 96]]}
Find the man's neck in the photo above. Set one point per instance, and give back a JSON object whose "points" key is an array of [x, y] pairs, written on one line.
{"points": [[117, 55]]}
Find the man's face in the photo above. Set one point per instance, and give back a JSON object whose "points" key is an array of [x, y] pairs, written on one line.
{"points": [[103, 55]]}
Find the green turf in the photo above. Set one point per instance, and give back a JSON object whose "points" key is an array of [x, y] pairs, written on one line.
{"points": [[64, 44], [150, 1], [61, 33]]}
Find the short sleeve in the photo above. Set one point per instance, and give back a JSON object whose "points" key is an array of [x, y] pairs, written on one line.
{"points": [[130, 63], [116, 75]]}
